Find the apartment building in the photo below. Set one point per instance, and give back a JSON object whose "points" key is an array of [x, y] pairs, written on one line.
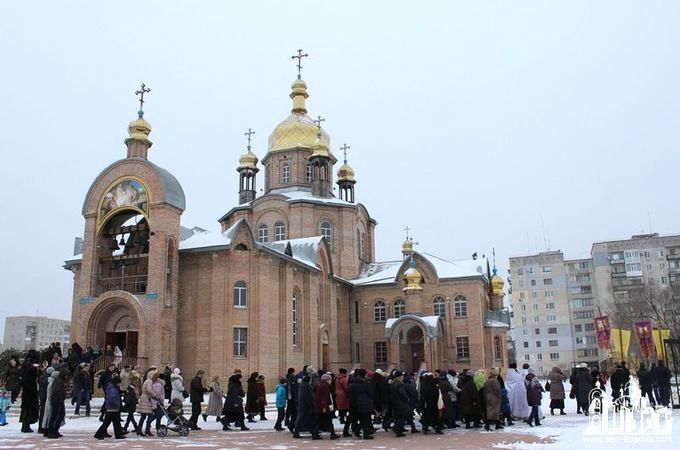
{"points": [[31, 332]]}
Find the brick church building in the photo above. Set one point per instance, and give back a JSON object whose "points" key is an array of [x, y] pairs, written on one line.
{"points": [[291, 279]]}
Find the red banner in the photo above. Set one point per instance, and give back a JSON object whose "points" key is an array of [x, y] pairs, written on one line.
{"points": [[643, 333], [602, 331]]}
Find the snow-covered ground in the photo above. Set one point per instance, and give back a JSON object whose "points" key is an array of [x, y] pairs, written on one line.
{"points": [[556, 432]]}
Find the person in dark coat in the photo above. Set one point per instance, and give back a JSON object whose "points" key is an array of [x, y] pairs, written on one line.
{"points": [[341, 399], [104, 380], [12, 379], [429, 398], [81, 390], [113, 407], [492, 395], [196, 391], [306, 419], [470, 407], [29, 397], [557, 394], [166, 376], [618, 382], [42, 388], [261, 396], [381, 393], [506, 409], [252, 398], [130, 407], [450, 400], [535, 394], [57, 404], [323, 407], [233, 404], [581, 386], [361, 402], [663, 381], [399, 401], [645, 382], [291, 400], [413, 400]]}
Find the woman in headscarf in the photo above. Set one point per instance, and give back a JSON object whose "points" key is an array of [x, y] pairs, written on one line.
{"points": [[252, 398], [492, 397], [429, 399], [556, 379], [534, 395], [214, 400]]}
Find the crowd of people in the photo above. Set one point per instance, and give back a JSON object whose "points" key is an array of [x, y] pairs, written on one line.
{"points": [[307, 401]]}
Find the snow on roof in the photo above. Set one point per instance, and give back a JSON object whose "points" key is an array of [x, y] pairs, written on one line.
{"points": [[431, 323], [298, 193], [303, 250], [386, 272], [201, 238]]}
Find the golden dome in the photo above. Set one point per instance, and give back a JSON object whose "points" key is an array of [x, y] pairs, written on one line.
{"points": [[248, 161], [298, 129], [497, 284], [407, 246], [345, 173], [140, 129], [412, 277]]}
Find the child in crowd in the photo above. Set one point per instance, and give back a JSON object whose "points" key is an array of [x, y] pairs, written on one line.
{"points": [[5, 401], [281, 393]]}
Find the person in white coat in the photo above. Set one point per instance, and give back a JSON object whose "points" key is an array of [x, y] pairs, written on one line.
{"points": [[177, 385], [517, 392]]}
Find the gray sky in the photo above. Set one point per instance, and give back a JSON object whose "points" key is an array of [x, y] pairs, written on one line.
{"points": [[479, 124]]}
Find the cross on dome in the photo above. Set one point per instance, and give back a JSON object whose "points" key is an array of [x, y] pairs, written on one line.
{"points": [[344, 149], [299, 57], [249, 133], [140, 93], [407, 229]]}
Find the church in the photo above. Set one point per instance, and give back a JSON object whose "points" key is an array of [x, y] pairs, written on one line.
{"points": [[290, 278]]}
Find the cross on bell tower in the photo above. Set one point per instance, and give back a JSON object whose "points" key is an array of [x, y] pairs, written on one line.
{"points": [[143, 90], [249, 133], [344, 149], [299, 57]]}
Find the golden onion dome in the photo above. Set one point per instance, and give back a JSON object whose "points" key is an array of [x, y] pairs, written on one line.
{"points": [[407, 246], [412, 277], [139, 129], [346, 173], [298, 129], [248, 161], [497, 284]]}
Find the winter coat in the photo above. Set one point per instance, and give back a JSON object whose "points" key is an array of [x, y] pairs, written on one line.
{"points": [[506, 410], [663, 376], [281, 396], [215, 400], [306, 419], [112, 398], [136, 381], [158, 390], [261, 394], [556, 378], [469, 400], [48, 400], [12, 378], [131, 400], [582, 385], [401, 406], [381, 392], [534, 390], [619, 380], [233, 403], [29, 394], [144, 405], [177, 387], [322, 399], [252, 405], [492, 395], [361, 396], [448, 397], [104, 379], [644, 379], [429, 399], [59, 387], [167, 387], [196, 390], [341, 398], [412, 392], [292, 388], [124, 380]]}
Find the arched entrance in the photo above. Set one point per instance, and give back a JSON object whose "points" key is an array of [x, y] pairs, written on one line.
{"points": [[115, 323], [412, 347]]}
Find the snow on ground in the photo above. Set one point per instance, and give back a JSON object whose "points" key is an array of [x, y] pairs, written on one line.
{"points": [[557, 432]]}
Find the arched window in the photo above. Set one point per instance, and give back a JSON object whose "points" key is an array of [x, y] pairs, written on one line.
{"points": [[439, 306], [294, 306], [279, 231], [399, 308], [460, 306], [285, 173], [498, 349], [262, 233], [363, 245], [240, 294], [326, 231], [379, 311], [308, 173]]}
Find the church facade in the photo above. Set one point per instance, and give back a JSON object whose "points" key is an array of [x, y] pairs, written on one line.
{"points": [[290, 278]]}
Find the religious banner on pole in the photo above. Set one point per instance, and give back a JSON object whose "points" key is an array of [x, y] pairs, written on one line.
{"points": [[643, 333], [602, 331], [621, 341], [660, 335]]}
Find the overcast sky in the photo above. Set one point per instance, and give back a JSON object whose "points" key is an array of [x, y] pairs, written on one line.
{"points": [[510, 124]]}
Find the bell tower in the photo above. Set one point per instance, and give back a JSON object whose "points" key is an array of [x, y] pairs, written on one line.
{"points": [[346, 180], [247, 170]]}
